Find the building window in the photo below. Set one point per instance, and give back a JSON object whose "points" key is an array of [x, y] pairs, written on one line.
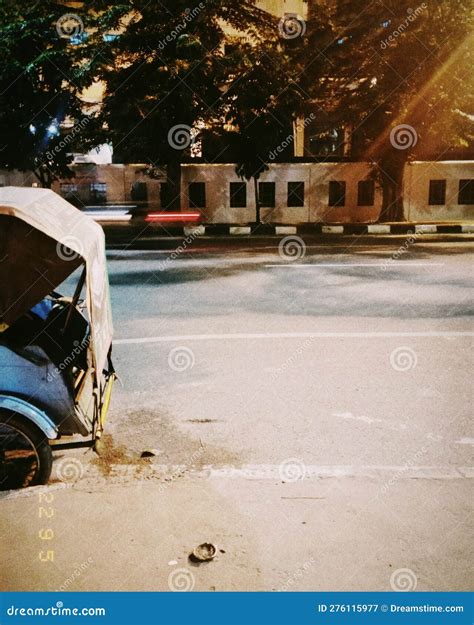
{"points": [[366, 193], [139, 192], [337, 193], [98, 192], [66, 189], [437, 195], [295, 194], [328, 143], [266, 191], [238, 195], [197, 195], [164, 199], [466, 192]]}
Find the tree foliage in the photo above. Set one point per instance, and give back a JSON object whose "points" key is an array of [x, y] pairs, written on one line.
{"points": [[40, 84], [397, 65], [170, 71]]}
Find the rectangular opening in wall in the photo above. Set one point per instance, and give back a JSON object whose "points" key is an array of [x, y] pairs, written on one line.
{"points": [[266, 191], [466, 192], [437, 194], [197, 195], [295, 194], [238, 194], [98, 192], [366, 193], [337, 193], [139, 191], [67, 190], [166, 202]]}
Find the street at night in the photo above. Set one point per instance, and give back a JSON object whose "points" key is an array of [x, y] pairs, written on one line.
{"points": [[236, 312], [310, 418]]}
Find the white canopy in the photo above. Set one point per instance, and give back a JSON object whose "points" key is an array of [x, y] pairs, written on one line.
{"points": [[76, 236]]}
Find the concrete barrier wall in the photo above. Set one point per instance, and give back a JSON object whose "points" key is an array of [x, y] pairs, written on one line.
{"points": [[316, 177], [417, 184], [119, 180]]}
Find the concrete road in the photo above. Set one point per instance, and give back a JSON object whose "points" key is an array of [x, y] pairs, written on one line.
{"points": [[310, 412]]}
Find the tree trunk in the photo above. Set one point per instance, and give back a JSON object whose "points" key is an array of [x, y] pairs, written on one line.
{"points": [[173, 185], [392, 169], [44, 177], [257, 201]]}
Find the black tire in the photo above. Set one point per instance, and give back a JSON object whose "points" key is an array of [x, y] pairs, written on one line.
{"points": [[25, 455]]}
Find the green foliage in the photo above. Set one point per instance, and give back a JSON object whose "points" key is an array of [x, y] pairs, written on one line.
{"points": [[39, 85]]}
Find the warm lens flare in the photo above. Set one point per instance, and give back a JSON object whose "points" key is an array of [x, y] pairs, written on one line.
{"points": [[173, 217]]}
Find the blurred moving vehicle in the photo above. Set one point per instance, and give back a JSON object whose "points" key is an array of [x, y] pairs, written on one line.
{"points": [[56, 373]]}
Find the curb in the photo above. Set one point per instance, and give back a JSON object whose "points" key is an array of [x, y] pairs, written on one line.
{"points": [[124, 222], [230, 230]]}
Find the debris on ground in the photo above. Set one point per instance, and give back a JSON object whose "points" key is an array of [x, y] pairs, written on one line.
{"points": [[150, 453], [203, 553]]}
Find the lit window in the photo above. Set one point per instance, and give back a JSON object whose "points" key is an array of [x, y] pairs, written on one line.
{"points": [[66, 189], [98, 192]]}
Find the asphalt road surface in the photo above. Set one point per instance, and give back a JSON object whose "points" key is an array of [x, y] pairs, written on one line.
{"points": [[310, 415]]}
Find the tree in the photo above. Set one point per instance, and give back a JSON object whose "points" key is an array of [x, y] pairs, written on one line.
{"points": [[403, 82], [263, 102], [262, 113], [40, 83], [165, 75]]}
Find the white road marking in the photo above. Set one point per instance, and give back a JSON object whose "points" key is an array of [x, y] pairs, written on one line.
{"points": [[289, 335], [391, 265], [127, 474], [465, 441], [350, 416]]}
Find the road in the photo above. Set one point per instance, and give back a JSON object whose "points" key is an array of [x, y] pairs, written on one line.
{"points": [[310, 415]]}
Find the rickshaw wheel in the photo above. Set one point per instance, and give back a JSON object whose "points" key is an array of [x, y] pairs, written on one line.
{"points": [[25, 455]]}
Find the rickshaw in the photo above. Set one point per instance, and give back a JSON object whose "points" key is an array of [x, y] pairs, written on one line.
{"points": [[56, 372]]}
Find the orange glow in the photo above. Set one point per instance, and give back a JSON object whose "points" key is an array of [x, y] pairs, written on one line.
{"points": [[173, 217]]}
